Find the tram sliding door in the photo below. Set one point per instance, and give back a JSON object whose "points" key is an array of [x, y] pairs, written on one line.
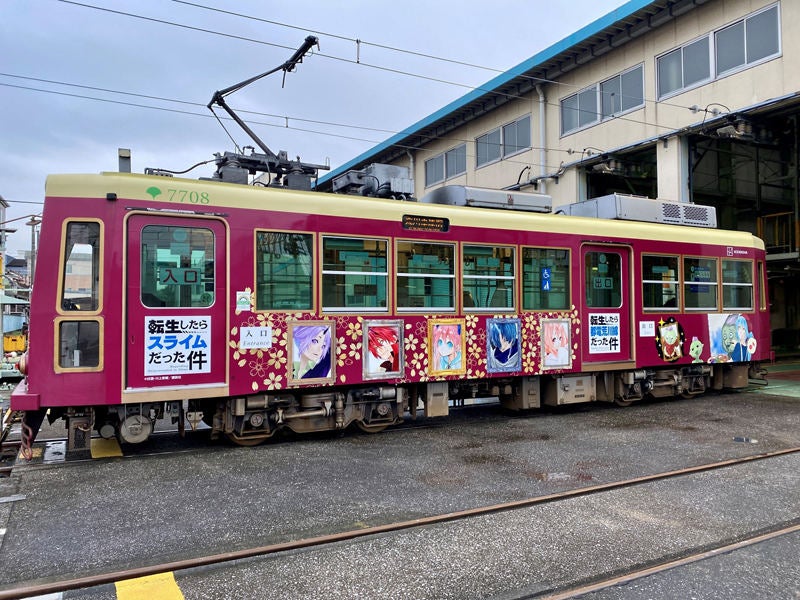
{"points": [[176, 305], [606, 304]]}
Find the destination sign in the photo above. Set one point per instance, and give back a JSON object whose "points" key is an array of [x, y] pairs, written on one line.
{"points": [[422, 223]]}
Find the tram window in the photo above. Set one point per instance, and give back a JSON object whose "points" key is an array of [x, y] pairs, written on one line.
{"points": [[425, 277], [488, 277], [81, 277], [545, 279], [737, 285], [177, 267], [700, 283], [660, 281], [603, 278], [354, 274], [284, 270], [79, 344]]}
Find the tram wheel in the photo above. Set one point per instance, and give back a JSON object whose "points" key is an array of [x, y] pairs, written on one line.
{"points": [[623, 403], [371, 428]]}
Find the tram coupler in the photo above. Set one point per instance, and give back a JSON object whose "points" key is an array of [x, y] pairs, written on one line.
{"points": [[79, 435]]}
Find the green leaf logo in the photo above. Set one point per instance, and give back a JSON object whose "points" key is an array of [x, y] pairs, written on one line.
{"points": [[153, 191]]}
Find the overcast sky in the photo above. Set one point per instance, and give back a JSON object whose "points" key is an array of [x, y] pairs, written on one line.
{"points": [[78, 80]]}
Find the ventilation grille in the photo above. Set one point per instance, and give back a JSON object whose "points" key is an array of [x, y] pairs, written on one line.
{"points": [[641, 208]]}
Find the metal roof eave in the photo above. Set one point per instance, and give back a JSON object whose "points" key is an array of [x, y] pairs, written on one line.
{"points": [[622, 13]]}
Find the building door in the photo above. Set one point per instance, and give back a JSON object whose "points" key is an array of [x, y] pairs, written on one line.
{"points": [[176, 304], [606, 304]]}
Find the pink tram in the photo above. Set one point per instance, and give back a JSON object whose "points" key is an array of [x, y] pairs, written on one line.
{"points": [[256, 309]]}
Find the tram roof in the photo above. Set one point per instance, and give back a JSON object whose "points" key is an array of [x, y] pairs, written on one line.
{"points": [[133, 187]]}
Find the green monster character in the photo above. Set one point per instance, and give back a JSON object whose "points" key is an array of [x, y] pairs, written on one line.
{"points": [[670, 342], [696, 349]]}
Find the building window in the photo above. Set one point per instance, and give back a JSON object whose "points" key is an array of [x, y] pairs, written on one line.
{"points": [[425, 277], [737, 46], [517, 136], [284, 270], [660, 282], [444, 166], [455, 161], [749, 41], [488, 277], [622, 93], [737, 285], [545, 279], [700, 283], [434, 170], [503, 141], [684, 68], [604, 100], [354, 274], [487, 147]]}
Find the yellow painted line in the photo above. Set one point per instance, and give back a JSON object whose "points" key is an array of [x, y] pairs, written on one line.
{"points": [[153, 587], [103, 448]]}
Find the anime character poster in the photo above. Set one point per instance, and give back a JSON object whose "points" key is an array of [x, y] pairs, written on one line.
{"points": [[556, 344], [382, 349], [446, 347], [311, 351], [669, 341], [731, 338], [502, 345]]}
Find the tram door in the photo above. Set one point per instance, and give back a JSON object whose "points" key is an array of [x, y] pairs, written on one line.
{"points": [[606, 304], [176, 298]]}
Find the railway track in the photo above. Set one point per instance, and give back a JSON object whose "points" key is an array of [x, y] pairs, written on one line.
{"points": [[309, 543], [688, 559]]}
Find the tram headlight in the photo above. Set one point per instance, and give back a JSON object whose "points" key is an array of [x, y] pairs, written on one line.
{"points": [[22, 366]]}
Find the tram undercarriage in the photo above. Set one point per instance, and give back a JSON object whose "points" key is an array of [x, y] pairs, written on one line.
{"points": [[250, 420]]}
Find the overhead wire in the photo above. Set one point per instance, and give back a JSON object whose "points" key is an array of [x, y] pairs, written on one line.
{"points": [[361, 42], [210, 115], [350, 61], [328, 123]]}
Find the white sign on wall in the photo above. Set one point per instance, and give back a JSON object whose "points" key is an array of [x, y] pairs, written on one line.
{"points": [[255, 337]]}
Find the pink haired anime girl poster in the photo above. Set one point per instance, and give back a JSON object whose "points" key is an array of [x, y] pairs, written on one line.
{"points": [[446, 347], [383, 349], [556, 344]]}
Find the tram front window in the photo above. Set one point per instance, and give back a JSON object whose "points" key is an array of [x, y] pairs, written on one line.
{"points": [[80, 282]]}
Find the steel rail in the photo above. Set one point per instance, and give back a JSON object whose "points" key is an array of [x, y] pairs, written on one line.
{"points": [[179, 565], [666, 566]]}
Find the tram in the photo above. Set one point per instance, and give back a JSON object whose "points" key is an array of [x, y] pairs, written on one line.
{"points": [[257, 309]]}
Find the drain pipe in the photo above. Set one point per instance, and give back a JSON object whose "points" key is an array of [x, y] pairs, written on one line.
{"points": [[542, 140], [412, 167]]}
